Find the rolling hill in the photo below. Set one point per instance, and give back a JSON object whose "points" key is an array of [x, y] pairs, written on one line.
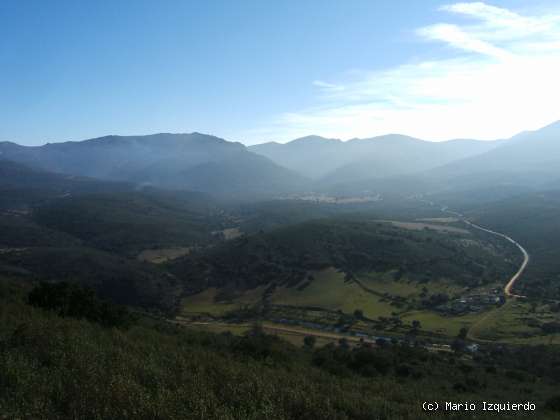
{"points": [[353, 244], [58, 227], [22, 187], [129, 222]]}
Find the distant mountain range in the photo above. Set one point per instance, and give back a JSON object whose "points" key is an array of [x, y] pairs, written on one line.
{"points": [[531, 152], [396, 163], [177, 161], [392, 162], [333, 160]]}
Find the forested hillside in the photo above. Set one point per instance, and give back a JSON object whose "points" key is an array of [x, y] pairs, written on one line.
{"points": [[60, 228], [285, 255]]}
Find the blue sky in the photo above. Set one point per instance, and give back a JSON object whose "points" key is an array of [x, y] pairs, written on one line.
{"points": [[255, 71]]}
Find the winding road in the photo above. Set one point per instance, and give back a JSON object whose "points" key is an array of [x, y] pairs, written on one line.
{"points": [[509, 285]]}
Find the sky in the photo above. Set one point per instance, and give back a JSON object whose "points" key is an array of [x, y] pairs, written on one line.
{"points": [[257, 71]]}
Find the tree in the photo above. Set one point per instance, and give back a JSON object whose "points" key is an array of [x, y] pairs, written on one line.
{"points": [[458, 345], [75, 301], [416, 325], [463, 333], [533, 307], [553, 403], [359, 314], [348, 277], [381, 342], [309, 341], [256, 330]]}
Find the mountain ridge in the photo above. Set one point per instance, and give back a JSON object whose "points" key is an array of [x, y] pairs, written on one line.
{"points": [[326, 159], [162, 160]]}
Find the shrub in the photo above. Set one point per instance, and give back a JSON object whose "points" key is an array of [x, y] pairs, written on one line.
{"points": [[74, 301]]}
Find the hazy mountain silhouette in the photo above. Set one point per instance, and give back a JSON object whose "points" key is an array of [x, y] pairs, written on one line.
{"points": [[527, 161], [182, 161], [312, 156], [390, 163], [334, 161]]}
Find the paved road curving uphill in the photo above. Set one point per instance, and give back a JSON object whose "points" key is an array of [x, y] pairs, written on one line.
{"points": [[509, 285]]}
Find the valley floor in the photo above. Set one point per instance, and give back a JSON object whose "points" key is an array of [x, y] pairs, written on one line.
{"points": [[373, 305]]}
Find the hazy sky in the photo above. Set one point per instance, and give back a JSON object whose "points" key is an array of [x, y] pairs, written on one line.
{"points": [[255, 71]]}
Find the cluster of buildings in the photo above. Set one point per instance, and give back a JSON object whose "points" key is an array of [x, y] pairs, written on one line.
{"points": [[471, 303]]}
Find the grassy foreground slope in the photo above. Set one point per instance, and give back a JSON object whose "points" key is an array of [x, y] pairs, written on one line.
{"points": [[57, 368]]}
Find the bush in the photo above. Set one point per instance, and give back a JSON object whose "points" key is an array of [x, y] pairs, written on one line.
{"points": [[309, 341], [74, 301], [553, 403]]}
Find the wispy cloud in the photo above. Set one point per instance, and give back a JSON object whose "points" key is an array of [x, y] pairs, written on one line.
{"points": [[456, 37], [326, 86], [502, 79]]}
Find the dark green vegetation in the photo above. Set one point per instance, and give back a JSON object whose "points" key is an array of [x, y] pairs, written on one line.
{"points": [[54, 367], [120, 279], [354, 245], [75, 301], [24, 186], [269, 214], [63, 228], [130, 222]]}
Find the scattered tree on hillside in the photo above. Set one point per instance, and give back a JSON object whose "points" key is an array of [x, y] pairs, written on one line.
{"points": [[309, 341], [75, 301], [359, 314]]}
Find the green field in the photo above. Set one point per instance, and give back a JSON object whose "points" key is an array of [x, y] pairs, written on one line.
{"points": [[329, 290], [386, 283], [332, 293], [205, 302], [442, 325], [516, 322]]}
